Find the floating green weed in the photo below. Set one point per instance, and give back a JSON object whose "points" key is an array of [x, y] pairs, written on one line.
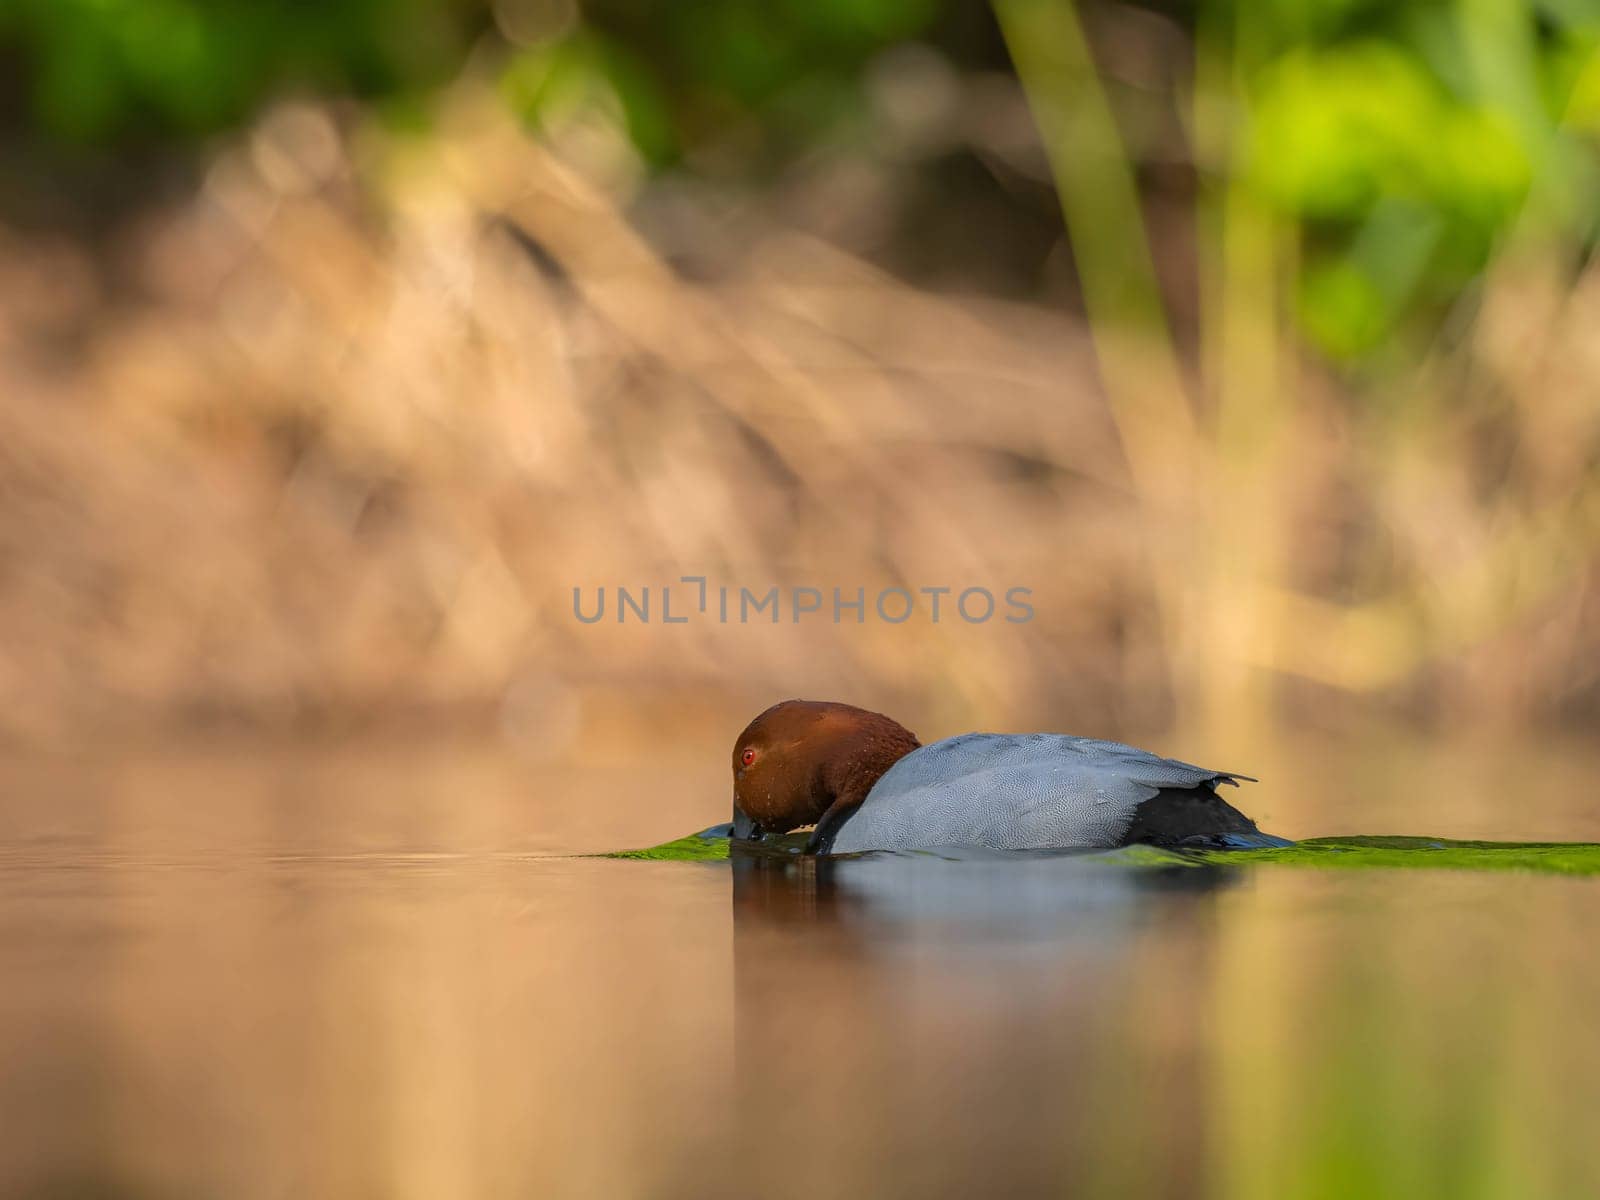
{"points": [[1369, 853], [693, 848], [1553, 858]]}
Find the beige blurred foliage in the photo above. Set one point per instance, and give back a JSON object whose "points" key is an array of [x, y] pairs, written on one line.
{"points": [[332, 443]]}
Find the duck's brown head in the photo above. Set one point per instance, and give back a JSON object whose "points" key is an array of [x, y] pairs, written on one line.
{"points": [[803, 760]]}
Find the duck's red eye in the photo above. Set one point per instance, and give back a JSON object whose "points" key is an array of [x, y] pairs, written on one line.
{"points": [[749, 755]]}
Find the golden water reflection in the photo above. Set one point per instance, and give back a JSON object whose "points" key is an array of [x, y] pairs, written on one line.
{"points": [[376, 974]]}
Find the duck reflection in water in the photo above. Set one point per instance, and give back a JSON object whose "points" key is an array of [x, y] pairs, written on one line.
{"points": [[979, 1023], [970, 893]]}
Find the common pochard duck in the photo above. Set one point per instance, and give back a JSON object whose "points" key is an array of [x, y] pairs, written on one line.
{"points": [[866, 783]]}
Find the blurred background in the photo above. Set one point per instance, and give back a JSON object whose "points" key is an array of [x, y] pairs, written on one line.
{"points": [[340, 345]]}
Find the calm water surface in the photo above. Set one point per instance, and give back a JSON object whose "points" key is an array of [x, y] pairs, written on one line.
{"points": [[386, 973]]}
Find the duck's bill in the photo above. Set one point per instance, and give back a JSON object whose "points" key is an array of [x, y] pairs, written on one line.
{"points": [[743, 827]]}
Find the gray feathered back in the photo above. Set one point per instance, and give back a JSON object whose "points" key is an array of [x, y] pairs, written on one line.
{"points": [[1015, 792]]}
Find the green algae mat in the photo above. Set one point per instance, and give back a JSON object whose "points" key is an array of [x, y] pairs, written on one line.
{"points": [[1382, 853]]}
